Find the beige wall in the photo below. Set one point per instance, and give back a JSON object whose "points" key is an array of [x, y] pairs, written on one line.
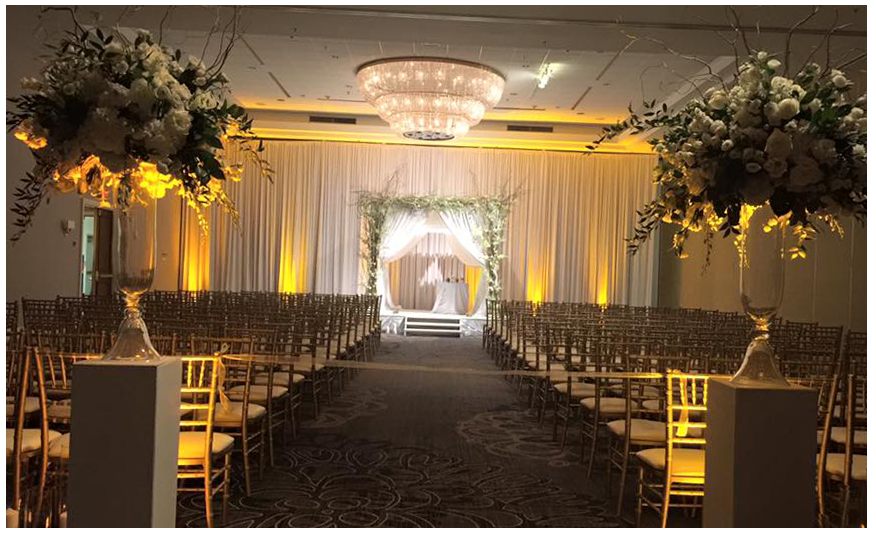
{"points": [[45, 263], [828, 287]]}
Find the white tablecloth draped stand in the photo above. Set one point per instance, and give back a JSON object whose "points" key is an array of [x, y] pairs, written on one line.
{"points": [[451, 298]]}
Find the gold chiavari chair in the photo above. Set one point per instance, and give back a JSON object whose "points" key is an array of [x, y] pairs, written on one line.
{"points": [[27, 446], [678, 468], [241, 419], [642, 426], [201, 448], [842, 474]]}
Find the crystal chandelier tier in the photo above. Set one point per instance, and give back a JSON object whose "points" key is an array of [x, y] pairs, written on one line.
{"points": [[427, 98]]}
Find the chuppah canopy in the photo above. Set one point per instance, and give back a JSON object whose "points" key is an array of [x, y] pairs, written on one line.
{"points": [[405, 228]]}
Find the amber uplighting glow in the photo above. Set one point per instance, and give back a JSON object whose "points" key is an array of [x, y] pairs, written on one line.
{"points": [[473, 279]]}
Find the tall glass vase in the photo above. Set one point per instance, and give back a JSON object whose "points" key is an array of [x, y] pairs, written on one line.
{"points": [[133, 270], [761, 284]]}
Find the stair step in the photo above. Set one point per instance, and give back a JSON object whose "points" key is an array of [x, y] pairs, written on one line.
{"points": [[428, 319], [431, 332], [441, 326]]}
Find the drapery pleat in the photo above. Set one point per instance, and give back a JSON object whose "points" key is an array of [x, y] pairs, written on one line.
{"points": [[564, 240]]}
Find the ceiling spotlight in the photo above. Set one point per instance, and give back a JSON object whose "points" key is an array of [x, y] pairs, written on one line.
{"points": [[544, 75]]}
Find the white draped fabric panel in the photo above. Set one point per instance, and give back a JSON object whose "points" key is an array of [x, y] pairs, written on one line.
{"points": [[565, 238], [431, 261], [464, 227], [403, 230]]}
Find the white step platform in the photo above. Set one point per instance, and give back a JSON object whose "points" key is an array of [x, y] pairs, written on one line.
{"points": [[424, 323]]}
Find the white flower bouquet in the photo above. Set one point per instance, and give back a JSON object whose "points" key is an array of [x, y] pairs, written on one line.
{"points": [[108, 112], [797, 145]]}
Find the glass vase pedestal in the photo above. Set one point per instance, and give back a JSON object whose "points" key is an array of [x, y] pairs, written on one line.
{"points": [[133, 269], [761, 287]]}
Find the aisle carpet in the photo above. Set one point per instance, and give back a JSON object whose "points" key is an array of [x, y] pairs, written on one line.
{"points": [[401, 449]]}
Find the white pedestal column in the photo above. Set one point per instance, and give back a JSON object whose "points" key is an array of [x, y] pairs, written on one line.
{"points": [[760, 456], [123, 450]]}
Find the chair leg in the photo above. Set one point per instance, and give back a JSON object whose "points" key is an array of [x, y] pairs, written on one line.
{"points": [[262, 449], [639, 497], [844, 519], [593, 445], [666, 495], [622, 483], [225, 488], [208, 496], [244, 449]]}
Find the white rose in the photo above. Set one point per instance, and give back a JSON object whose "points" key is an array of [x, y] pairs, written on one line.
{"points": [[803, 174], [114, 48], [788, 108], [774, 64], [719, 128], [120, 67], [719, 100], [778, 145], [771, 110], [840, 81], [859, 151], [752, 167], [856, 113], [762, 55], [727, 145], [178, 122], [200, 81], [824, 150], [775, 167], [162, 92]]}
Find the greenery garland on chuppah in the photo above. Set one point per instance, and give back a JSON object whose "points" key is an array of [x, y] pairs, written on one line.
{"points": [[374, 208]]}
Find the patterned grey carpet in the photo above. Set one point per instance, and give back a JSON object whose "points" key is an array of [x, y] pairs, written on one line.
{"points": [[416, 449]]}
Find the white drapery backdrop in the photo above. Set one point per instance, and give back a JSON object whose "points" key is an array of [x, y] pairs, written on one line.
{"points": [[564, 241]]}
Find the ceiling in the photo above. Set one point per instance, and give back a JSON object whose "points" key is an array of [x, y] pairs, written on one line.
{"points": [[308, 63], [303, 59]]}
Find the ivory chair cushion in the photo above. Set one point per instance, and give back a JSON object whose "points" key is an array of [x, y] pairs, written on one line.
{"points": [[60, 447], [685, 462], [30, 439], [647, 391], [643, 430], [191, 444], [838, 435], [836, 461], [232, 416], [60, 410], [580, 390], [612, 405], [280, 378], [257, 392], [31, 405]]}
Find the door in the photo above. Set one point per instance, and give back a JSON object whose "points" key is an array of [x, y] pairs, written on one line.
{"points": [[103, 253]]}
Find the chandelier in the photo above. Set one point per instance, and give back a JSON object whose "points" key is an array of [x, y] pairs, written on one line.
{"points": [[427, 98]]}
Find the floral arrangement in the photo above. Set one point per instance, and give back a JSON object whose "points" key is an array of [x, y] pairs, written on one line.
{"points": [[492, 210], [112, 115], [795, 144]]}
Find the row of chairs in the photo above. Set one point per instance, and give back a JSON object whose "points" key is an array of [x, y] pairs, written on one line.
{"points": [[630, 415], [261, 369]]}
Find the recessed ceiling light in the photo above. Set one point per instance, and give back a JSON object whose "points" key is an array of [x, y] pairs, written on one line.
{"points": [[281, 100]]}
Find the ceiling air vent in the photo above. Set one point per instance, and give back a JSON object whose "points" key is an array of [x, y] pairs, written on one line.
{"points": [[333, 120], [522, 128]]}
